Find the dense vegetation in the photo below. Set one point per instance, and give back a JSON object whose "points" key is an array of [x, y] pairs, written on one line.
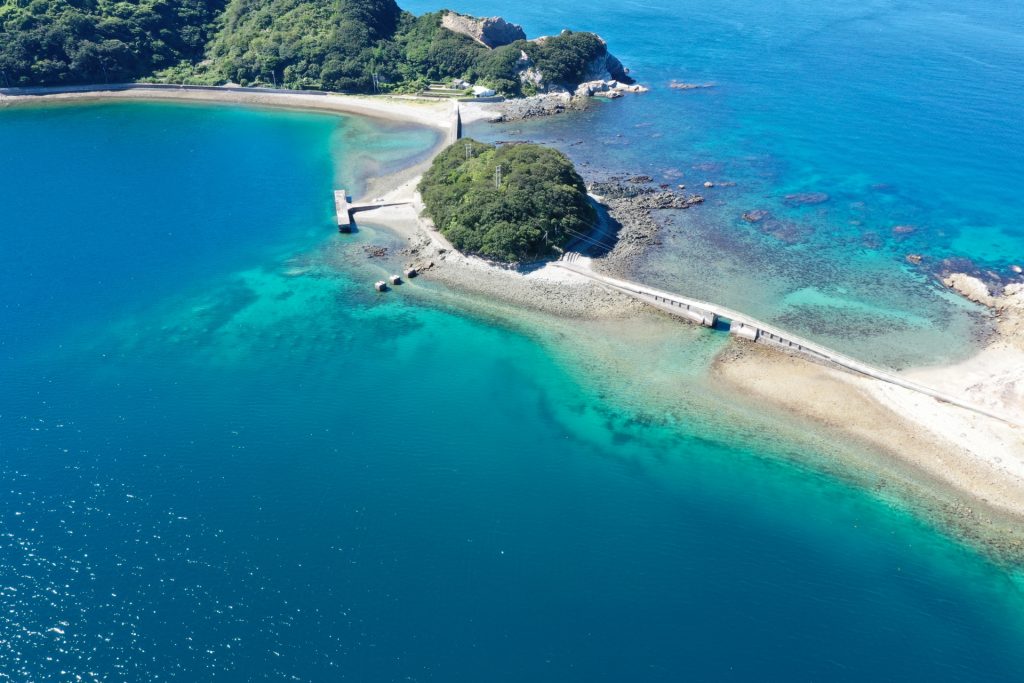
{"points": [[538, 205], [331, 44], [50, 42], [344, 45]]}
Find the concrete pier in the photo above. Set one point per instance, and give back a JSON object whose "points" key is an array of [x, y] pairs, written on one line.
{"points": [[455, 134], [745, 327], [341, 209]]}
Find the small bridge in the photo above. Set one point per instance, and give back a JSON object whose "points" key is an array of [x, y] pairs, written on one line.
{"points": [[743, 326]]}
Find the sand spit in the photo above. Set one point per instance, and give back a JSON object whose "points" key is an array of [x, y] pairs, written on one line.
{"points": [[965, 468], [977, 462], [974, 464], [543, 289], [961, 467]]}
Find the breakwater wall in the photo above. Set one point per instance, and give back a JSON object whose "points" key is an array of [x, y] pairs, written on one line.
{"points": [[745, 327]]}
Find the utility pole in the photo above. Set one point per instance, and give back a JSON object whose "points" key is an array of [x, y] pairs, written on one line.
{"points": [[469, 151], [497, 178]]}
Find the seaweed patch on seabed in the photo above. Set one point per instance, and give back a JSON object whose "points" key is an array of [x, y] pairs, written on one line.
{"points": [[788, 232], [839, 321]]}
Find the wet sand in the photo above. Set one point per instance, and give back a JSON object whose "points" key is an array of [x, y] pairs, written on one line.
{"points": [[433, 113]]}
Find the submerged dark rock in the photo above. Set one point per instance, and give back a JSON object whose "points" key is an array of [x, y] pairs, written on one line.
{"points": [[871, 240], [788, 232], [375, 251], [680, 85], [756, 216], [802, 198], [956, 266]]}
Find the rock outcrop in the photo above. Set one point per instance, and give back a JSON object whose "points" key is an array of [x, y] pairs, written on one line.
{"points": [[533, 107], [633, 205], [610, 89], [681, 85], [970, 288], [1008, 306], [489, 31], [603, 67], [579, 66]]}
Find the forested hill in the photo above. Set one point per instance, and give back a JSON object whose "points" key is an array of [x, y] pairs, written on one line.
{"points": [[342, 45], [51, 42], [514, 203], [331, 44]]}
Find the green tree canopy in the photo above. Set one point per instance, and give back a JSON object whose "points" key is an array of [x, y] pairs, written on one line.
{"points": [[538, 204], [344, 45], [54, 42]]}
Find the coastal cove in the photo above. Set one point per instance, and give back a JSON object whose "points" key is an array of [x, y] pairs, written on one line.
{"points": [[238, 415]]}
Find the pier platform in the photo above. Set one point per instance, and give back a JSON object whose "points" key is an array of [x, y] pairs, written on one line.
{"points": [[341, 209]]}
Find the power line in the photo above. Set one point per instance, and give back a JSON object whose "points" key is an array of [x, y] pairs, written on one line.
{"points": [[589, 238], [588, 235]]}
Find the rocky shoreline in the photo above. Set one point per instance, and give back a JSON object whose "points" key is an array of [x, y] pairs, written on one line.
{"points": [[552, 103], [632, 204], [538, 106]]}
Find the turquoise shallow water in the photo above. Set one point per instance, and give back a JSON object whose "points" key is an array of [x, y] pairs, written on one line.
{"points": [[221, 457], [904, 113]]}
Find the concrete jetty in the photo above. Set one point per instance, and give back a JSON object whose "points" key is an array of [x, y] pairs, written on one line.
{"points": [[745, 327], [341, 209], [346, 210], [455, 133]]}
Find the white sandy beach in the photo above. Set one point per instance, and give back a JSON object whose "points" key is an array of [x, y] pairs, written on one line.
{"points": [[434, 113], [978, 458]]}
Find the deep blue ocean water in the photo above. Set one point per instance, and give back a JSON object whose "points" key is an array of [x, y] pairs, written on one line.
{"points": [[222, 458]]}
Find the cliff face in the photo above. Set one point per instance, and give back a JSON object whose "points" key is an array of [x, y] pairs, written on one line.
{"points": [[490, 31], [549, 64], [607, 67]]}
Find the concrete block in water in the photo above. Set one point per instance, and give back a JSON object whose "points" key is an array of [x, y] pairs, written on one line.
{"points": [[743, 331]]}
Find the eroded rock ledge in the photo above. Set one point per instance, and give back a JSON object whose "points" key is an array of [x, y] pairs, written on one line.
{"points": [[1008, 306], [491, 32]]}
